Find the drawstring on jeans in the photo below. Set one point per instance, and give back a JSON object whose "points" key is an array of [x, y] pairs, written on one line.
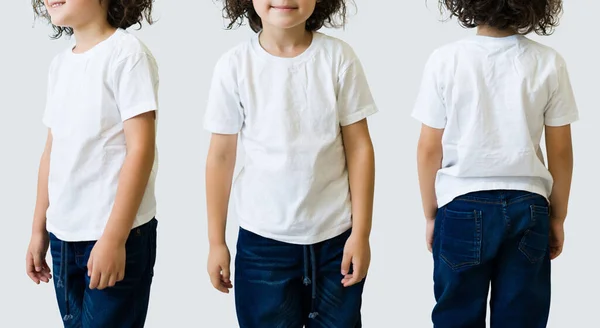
{"points": [[309, 250], [64, 275]]}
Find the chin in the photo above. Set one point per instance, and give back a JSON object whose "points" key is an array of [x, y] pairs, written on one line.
{"points": [[286, 23], [59, 20]]}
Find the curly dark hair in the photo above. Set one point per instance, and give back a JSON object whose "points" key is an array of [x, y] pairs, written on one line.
{"points": [[328, 13], [121, 14], [524, 16]]}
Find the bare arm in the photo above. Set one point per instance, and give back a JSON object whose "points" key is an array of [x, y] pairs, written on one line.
{"points": [[220, 164], [429, 161], [140, 134], [42, 202], [560, 163], [360, 158]]}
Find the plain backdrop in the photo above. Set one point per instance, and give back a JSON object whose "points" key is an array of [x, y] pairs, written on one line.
{"points": [[393, 39]]}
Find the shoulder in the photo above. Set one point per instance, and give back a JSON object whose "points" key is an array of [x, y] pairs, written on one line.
{"points": [[447, 51], [338, 51], [128, 45], [232, 60], [543, 53]]}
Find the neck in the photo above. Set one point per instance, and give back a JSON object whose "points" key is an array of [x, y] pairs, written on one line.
{"points": [[91, 34], [486, 30], [285, 42]]}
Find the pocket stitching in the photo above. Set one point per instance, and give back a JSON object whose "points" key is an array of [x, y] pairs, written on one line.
{"points": [[474, 215], [534, 211]]}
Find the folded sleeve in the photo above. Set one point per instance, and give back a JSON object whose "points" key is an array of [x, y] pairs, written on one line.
{"points": [[354, 100], [224, 112], [136, 85], [561, 108], [429, 108]]}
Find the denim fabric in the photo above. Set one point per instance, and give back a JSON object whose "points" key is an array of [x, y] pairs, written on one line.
{"points": [[280, 285], [123, 306], [498, 239]]}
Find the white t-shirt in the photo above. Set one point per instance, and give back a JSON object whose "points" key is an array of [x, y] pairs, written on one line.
{"points": [[289, 112], [492, 97], [89, 97]]}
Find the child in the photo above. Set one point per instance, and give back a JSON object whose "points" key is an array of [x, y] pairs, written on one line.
{"points": [[292, 94], [95, 202], [494, 212]]}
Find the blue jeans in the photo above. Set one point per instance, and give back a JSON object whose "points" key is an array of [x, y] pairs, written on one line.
{"points": [[497, 238], [123, 306], [292, 286]]}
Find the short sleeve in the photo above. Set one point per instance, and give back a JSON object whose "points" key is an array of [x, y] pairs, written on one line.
{"points": [[136, 85], [354, 101], [224, 113], [429, 107], [47, 116], [562, 108]]}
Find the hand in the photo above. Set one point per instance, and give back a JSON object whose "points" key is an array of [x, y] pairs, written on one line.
{"points": [[557, 239], [36, 267], [357, 253], [218, 268], [106, 265], [429, 228]]}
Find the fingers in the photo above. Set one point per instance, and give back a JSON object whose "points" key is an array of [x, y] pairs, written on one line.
{"points": [[30, 268], [430, 246], [94, 277], [215, 279], [555, 252], [356, 277], [346, 262], [45, 275], [226, 276], [112, 280], [39, 272]]}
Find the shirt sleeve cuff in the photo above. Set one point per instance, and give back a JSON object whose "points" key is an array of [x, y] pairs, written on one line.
{"points": [[429, 121], [220, 128], [359, 115], [134, 111], [562, 121]]}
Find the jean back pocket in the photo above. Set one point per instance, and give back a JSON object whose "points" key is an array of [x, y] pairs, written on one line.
{"points": [[534, 243], [460, 238]]}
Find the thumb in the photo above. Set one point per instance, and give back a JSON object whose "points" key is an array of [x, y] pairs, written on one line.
{"points": [[38, 262], [90, 265], [226, 273], [346, 262]]}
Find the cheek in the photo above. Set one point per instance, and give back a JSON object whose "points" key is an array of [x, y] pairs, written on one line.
{"points": [[308, 5]]}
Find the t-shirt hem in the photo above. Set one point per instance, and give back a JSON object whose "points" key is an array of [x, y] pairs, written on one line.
{"points": [[93, 235], [301, 240], [138, 110], [358, 116], [486, 186]]}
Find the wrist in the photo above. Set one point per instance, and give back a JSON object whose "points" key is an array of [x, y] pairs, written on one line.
{"points": [[117, 239], [212, 245], [362, 234], [38, 228]]}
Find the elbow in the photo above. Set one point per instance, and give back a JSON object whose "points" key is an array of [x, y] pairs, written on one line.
{"points": [[220, 160], [429, 152]]}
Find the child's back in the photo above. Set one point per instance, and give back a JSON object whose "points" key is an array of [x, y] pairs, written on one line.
{"points": [[494, 97]]}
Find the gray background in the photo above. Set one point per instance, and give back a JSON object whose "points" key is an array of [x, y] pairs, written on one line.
{"points": [[393, 40]]}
